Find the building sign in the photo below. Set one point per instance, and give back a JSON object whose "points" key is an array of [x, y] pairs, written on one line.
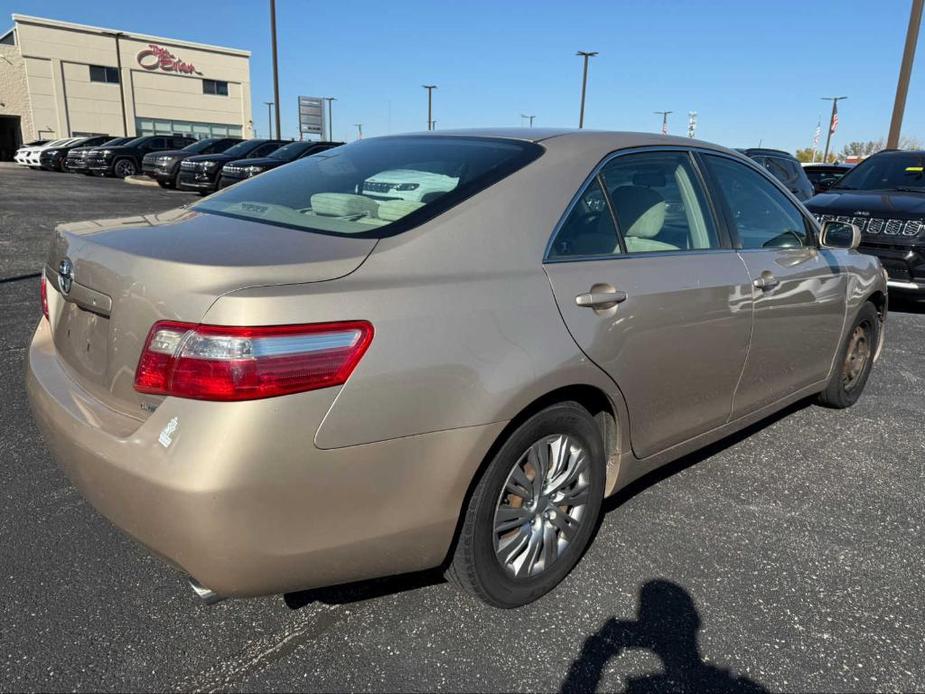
{"points": [[156, 57], [311, 115]]}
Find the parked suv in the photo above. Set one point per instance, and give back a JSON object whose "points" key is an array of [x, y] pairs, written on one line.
{"points": [[201, 173], [33, 156], [785, 168], [77, 158], [164, 166], [236, 171], [125, 160], [824, 176], [55, 158], [885, 197], [23, 151]]}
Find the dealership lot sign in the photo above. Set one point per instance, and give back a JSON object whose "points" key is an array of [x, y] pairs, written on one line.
{"points": [[156, 57]]}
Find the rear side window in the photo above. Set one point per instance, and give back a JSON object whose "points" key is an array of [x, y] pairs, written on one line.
{"points": [[375, 187], [762, 215], [589, 229]]}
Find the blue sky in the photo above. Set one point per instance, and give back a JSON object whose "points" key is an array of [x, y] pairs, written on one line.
{"points": [[753, 71]]}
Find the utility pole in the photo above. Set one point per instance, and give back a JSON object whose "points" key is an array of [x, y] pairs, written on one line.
{"points": [[275, 62], [833, 123], [905, 72], [664, 115], [359, 127], [530, 118], [430, 104], [330, 99], [584, 85], [691, 123], [269, 119]]}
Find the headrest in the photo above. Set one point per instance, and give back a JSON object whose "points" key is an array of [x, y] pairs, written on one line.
{"points": [[390, 210], [649, 179], [342, 205], [640, 211]]}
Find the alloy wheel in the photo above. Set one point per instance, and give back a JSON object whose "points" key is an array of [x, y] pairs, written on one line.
{"points": [[125, 168], [542, 505]]}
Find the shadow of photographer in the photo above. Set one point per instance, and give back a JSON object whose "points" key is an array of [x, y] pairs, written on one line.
{"points": [[667, 623]]}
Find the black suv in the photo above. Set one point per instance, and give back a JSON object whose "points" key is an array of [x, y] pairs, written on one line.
{"points": [[76, 161], [885, 197], [164, 166], [201, 173], [56, 159], [824, 176], [785, 168], [236, 171], [125, 160]]}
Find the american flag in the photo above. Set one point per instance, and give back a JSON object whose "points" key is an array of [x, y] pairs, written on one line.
{"points": [[817, 133], [834, 125]]}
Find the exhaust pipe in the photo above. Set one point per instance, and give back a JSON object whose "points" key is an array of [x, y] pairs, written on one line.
{"points": [[205, 595]]}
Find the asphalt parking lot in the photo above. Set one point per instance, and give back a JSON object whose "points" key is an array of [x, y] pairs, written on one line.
{"points": [[786, 558]]}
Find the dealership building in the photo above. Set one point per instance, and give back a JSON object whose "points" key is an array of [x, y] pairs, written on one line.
{"points": [[59, 79]]}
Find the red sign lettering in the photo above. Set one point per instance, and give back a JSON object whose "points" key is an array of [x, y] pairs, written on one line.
{"points": [[156, 57]]}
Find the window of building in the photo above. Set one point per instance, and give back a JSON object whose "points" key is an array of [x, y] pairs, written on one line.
{"points": [[215, 87], [199, 131], [98, 73]]}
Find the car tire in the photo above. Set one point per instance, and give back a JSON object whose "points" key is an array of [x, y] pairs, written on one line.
{"points": [[506, 539], [124, 167], [854, 361]]}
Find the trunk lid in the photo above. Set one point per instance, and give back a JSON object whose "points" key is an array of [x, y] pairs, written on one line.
{"points": [[126, 274]]}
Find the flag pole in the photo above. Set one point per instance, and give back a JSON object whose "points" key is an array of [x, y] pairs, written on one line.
{"points": [[832, 123]]}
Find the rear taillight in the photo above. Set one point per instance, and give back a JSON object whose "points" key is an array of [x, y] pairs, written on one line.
{"points": [[213, 362], [44, 295]]}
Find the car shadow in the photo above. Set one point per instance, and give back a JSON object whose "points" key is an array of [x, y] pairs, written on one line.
{"points": [[905, 304], [666, 624]]}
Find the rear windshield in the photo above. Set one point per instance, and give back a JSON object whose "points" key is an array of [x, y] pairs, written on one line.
{"points": [[375, 187]]}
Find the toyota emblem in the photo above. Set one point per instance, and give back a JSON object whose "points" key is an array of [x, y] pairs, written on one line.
{"points": [[65, 276]]}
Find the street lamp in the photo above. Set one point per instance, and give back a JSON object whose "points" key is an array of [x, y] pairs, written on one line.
{"points": [[359, 127], [330, 99], [430, 111], [691, 123], [664, 115], [269, 118], [584, 84], [530, 118], [275, 62]]}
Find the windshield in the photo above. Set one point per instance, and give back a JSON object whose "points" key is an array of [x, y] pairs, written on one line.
{"points": [[291, 151], [115, 142], [201, 145], [242, 149], [136, 141], [891, 171], [375, 187]]}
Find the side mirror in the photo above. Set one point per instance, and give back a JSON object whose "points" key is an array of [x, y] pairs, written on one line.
{"points": [[840, 235]]}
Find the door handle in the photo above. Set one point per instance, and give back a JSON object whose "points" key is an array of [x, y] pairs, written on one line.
{"points": [[600, 299], [766, 281]]}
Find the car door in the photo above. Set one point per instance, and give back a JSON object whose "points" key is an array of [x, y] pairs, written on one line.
{"points": [[799, 290], [663, 306]]}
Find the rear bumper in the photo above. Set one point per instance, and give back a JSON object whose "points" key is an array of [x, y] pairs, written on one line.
{"points": [[242, 500]]}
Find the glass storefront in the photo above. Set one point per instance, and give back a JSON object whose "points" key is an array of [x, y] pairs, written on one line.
{"points": [[152, 126]]}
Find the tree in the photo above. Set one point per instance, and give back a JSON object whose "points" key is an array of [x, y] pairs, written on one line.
{"points": [[805, 156], [865, 149]]}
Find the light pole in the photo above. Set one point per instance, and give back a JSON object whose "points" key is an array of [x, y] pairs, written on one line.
{"points": [[359, 127], [330, 100], [905, 71], [833, 123], [269, 119], [430, 111], [530, 118], [691, 123], [664, 115], [584, 85], [275, 62]]}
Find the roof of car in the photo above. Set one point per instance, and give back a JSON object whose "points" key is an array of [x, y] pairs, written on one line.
{"points": [[611, 138], [764, 150]]}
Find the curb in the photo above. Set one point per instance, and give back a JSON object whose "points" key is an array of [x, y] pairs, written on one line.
{"points": [[141, 181]]}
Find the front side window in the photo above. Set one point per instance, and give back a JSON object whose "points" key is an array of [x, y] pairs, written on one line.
{"points": [[762, 215], [215, 87], [264, 150], [375, 187], [98, 73], [588, 229], [659, 203]]}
